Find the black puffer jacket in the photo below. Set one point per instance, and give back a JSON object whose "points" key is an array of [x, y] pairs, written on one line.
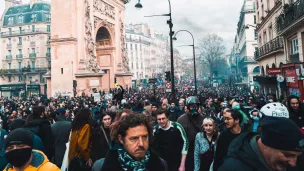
{"points": [[42, 128]]}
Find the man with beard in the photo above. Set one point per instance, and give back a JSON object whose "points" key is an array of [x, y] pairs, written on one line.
{"points": [[132, 136], [191, 122], [170, 141], [233, 120], [21, 156], [296, 112], [101, 138], [277, 148]]}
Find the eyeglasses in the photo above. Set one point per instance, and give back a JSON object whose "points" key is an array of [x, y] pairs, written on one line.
{"points": [[227, 119]]}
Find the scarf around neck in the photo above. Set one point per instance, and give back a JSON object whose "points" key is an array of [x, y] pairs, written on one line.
{"points": [[129, 164]]}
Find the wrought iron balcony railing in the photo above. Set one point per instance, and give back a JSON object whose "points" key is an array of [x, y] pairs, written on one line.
{"points": [[271, 46], [32, 55], [9, 57], [292, 13], [24, 32], [20, 56], [22, 71]]}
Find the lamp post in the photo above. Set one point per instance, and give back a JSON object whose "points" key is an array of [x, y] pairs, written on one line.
{"points": [[169, 22], [174, 38]]}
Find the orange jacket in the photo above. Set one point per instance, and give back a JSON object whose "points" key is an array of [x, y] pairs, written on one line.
{"points": [[80, 143]]}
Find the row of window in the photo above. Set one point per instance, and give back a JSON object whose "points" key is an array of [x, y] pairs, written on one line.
{"points": [[21, 78], [9, 65], [48, 29], [33, 50], [131, 46], [20, 18], [132, 67]]}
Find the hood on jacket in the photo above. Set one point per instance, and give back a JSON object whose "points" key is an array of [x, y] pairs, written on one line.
{"points": [[241, 149]]}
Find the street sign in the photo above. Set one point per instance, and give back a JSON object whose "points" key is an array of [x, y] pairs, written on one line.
{"points": [[280, 78], [168, 87], [152, 80], [96, 97]]}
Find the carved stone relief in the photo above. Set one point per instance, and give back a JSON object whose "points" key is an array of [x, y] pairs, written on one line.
{"points": [[125, 60], [90, 62], [104, 8]]}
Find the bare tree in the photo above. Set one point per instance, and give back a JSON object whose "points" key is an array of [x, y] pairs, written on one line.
{"points": [[211, 52]]}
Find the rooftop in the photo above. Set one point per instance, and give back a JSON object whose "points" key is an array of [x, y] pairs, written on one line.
{"points": [[23, 14]]}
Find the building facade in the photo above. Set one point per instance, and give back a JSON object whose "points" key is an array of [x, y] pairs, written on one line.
{"points": [[25, 53], [270, 52], [291, 29], [245, 44], [148, 51], [87, 47]]}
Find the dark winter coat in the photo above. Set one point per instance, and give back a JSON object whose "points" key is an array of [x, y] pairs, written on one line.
{"points": [[42, 128], [244, 155], [111, 163], [192, 125], [297, 116], [61, 132], [99, 146]]}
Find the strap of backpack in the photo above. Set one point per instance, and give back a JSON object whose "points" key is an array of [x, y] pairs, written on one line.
{"points": [[105, 135]]}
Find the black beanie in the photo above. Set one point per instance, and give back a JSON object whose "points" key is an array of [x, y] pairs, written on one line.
{"points": [[19, 136], [281, 134]]}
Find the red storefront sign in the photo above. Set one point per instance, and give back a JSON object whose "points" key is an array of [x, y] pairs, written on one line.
{"points": [[274, 71], [291, 78]]}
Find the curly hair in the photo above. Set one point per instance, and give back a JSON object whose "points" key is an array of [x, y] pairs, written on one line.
{"points": [[131, 120]]}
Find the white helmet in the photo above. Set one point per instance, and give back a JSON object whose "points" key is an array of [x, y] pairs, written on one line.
{"points": [[275, 110]]}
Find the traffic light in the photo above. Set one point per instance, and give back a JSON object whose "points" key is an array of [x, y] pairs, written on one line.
{"points": [[115, 80], [168, 76], [74, 83]]}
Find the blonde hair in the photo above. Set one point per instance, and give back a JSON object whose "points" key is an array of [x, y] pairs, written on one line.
{"points": [[208, 119]]}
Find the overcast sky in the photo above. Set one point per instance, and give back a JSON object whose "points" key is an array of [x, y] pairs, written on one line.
{"points": [[198, 16]]}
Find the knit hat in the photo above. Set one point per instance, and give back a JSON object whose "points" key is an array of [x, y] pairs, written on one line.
{"points": [[282, 134], [19, 136]]}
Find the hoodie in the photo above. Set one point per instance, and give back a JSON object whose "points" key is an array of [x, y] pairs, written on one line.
{"points": [[244, 155]]}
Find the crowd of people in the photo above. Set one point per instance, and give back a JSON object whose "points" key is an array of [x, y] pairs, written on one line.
{"points": [[225, 128]]}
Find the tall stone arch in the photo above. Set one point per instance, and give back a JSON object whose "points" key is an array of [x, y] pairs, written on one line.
{"points": [[75, 24]]}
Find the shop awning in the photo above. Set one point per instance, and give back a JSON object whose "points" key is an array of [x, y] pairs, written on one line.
{"points": [[265, 79]]}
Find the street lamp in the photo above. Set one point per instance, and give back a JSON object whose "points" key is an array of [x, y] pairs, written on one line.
{"points": [[169, 22], [138, 5], [174, 38], [249, 25]]}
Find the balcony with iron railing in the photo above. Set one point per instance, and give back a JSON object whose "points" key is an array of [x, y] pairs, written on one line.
{"points": [[24, 70], [24, 32], [32, 55], [293, 14], [9, 57], [19, 56], [270, 47]]}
